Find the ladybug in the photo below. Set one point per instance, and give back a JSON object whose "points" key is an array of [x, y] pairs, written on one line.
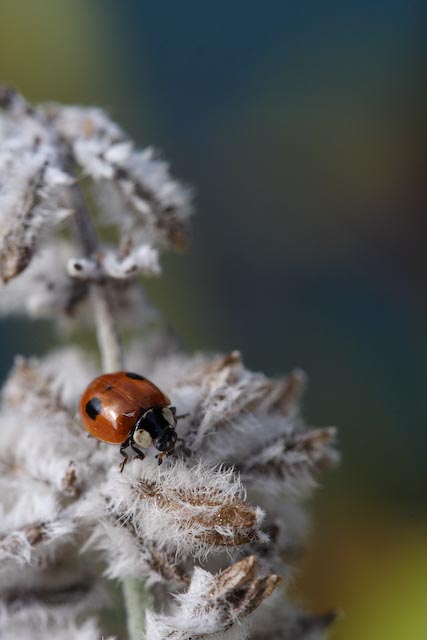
{"points": [[127, 409]]}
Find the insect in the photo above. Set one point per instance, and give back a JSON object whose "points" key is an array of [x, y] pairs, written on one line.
{"points": [[127, 409]]}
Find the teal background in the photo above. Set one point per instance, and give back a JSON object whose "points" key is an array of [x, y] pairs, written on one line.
{"points": [[299, 124]]}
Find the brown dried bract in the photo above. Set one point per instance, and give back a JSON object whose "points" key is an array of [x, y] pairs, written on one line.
{"points": [[32, 534], [312, 446], [238, 590], [26, 381], [17, 245], [165, 565], [221, 521], [285, 394]]}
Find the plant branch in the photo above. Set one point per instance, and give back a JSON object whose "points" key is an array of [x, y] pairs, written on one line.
{"points": [[137, 600], [107, 332], [136, 597]]}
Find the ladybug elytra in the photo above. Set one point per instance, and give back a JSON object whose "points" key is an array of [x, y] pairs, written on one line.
{"points": [[127, 409]]}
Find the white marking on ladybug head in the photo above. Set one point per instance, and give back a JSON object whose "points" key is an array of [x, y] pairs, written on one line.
{"points": [[168, 416], [142, 438]]}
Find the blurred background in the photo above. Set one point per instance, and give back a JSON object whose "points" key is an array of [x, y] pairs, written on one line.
{"points": [[299, 124]]}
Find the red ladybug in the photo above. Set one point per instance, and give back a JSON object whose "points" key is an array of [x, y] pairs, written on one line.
{"points": [[127, 409]]}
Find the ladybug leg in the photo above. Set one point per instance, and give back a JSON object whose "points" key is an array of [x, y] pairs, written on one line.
{"points": [[124, 454], [140, 455], [160, 457], [185, 450], [184, 415]]}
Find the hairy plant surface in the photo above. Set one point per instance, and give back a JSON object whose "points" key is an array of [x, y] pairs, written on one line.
{"points": [[199, 542]]}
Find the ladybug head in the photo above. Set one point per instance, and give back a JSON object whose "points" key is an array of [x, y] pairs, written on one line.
{"points": [[167, 436], [166, 441], [160, 423]]}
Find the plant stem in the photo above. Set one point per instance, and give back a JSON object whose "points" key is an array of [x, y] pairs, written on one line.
{"points": [[107, 332], [136, 597], [137, 600]]}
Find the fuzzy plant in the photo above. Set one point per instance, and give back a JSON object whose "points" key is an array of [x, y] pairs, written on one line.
{"points": [[198, 545]]}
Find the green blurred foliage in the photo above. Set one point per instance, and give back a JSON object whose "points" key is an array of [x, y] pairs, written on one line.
{"points": [[373, 568], [55, 44]]}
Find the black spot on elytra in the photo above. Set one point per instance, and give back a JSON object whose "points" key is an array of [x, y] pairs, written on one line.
{"points": [[134, 376], [108, 387], [93, 408]]}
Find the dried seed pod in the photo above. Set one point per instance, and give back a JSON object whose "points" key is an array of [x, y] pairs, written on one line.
{"points": [[214, 603], [182, 510]]}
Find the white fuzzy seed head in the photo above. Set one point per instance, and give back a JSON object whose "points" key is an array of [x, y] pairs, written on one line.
{"points": [[218, 519]]}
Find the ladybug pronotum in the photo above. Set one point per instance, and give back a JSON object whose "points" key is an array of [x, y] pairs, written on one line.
{"points": [[127, 409]]}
